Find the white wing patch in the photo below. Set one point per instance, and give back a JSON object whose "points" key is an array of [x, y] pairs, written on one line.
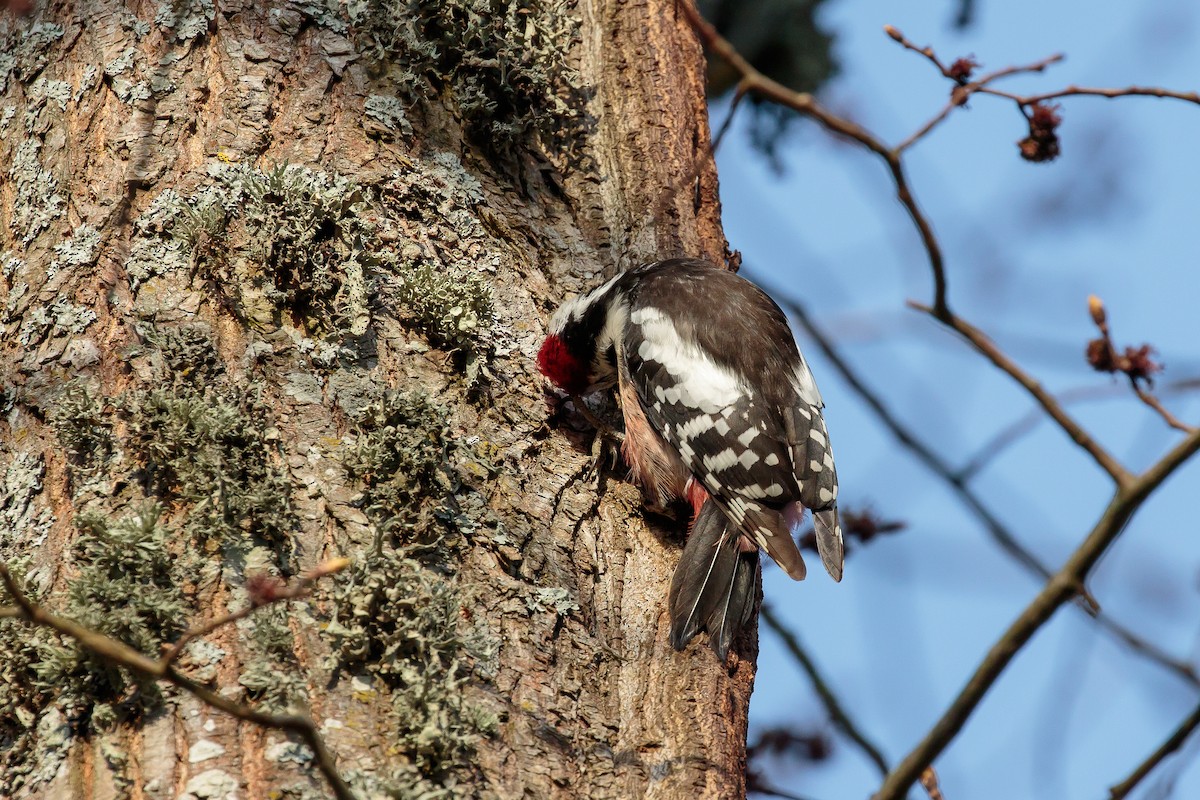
{"points": [[806, 385], [700, 383]]}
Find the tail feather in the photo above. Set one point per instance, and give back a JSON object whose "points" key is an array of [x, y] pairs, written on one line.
{"points": [[714, 585], [829, 541]]}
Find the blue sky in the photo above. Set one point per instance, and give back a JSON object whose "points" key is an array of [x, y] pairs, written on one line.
{"points": [[1025, 244]]}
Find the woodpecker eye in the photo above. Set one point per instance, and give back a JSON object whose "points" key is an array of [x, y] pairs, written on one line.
{"points": [[563, 369]]}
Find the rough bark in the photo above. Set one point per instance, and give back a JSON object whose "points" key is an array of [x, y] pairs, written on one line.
{"points": [[107, 300]]}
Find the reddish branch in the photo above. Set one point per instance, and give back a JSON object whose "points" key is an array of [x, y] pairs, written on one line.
{"points": [[120, 654]]}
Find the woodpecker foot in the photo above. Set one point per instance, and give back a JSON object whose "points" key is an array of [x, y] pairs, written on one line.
{"points": [[602, 427]]}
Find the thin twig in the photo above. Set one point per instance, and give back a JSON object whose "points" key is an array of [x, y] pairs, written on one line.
{"points": [[962, 93], [1135, 363], [806, 104], [1128, 91], [1047, 401], [958, 481], [122, 655], [302, 587], [1173, 743], [1013, 432], [1157, 405], [926, 51], [1058, 590], [739, 95], [837, 713]]}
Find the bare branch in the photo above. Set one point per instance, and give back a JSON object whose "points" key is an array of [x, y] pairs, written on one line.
{"points": [[958, 480], [264, 596], [1058, 590], [1129, 91], [1012, 433], [1173, 743], [837, 714], [1047, 401], [924, 453], [804, 103], [122, 655]]}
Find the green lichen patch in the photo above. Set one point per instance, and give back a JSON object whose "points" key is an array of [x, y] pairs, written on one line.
{"points": [[22, 694], [440, 288], [400, 460], [83, 427], [185, 355], [125, 587], [504, 63], [288, 239], [215, 451], [271, 675], [450, 306], [404, 626]]}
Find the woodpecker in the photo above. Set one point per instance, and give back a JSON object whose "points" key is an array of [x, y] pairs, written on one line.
{"points": [[720, 410]]}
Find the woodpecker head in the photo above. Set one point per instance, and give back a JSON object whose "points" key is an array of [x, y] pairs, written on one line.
{"points": [[579, 353]]}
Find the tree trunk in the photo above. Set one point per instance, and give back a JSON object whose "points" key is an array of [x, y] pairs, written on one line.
{"points": [[272, 289]]}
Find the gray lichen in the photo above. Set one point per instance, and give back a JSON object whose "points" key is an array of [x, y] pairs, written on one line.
{"points": [[402, 624], [61, 318], [81, 248], [24, 522], [388, 112], [38, 202], [25, 50], [285, 238], [185, 19], [553, 598], [213, 449], [504, 61], [154, 250]]}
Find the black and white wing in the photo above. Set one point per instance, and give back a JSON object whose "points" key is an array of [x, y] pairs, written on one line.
{"points": [[731, 438]]}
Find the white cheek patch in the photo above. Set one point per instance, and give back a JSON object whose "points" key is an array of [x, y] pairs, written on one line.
{"points": [[573, 309]]}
